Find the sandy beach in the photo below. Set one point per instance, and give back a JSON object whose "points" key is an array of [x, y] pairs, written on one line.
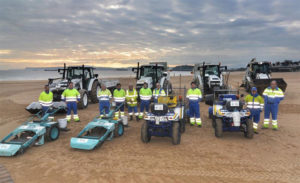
{"points": [[271, 156]]}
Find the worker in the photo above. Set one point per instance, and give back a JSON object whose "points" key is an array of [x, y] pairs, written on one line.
{"points": [[46, 100], [194, 96], [119, 98], [145, 96], [255, 103], [71, 96], [158, 92], [273, 95], [131, 100], [104, 95]]}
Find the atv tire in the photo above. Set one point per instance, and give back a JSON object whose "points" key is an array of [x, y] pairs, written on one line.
{"points": [[119, 130], [145, 137], [219, 128], [249, 132], [52, 133], [176, 135], [94, 92], [213, 121], [84, 100], [182, 125]]}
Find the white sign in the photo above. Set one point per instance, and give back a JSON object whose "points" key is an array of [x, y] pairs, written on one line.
{"points": [[82, 140], [159, 107], [235, 103], [4, 146]]}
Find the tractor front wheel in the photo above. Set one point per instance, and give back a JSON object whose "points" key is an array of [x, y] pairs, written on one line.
{"points": [[145, 137], [94, 91], [84, 101], [176, 133], [219, 128]]}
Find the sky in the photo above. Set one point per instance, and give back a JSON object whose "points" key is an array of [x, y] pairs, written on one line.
{"points": [[120, 33]]}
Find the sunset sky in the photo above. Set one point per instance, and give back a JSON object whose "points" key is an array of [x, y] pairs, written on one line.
{"points": [[118, 33]]}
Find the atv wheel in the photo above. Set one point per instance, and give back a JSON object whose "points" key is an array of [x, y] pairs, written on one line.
{"points": [[176, 133], [94, 91], [213, 121], [84, 100], [219, 128], [249, 131], [119, 130], [182, 125], [145, 137], [52, 133]]}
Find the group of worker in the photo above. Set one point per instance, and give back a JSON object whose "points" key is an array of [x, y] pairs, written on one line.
{"points": [[130, 97], [254, 102]]}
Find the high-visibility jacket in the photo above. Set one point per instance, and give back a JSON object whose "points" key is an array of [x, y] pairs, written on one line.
{"points": [[254, 102], [131, 98], [104, 95], [158, 93], [46, 99], [119, 95], [145, 94], [70, 95], [194, 95], [273, 96]]}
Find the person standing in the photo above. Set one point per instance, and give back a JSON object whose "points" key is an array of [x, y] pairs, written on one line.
{"points": [[273, 95], [255, 103], [194, 96], [46, 100], [104, 95], [145, 96], [131, 99], [71, 96], [119, 98], [158, 92]]}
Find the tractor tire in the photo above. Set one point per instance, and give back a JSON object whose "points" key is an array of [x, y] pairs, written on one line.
{"points": [[182, 125], [170, 88], [145, 137], [52, 133], [94, 92], [119, 130], [249, 132], [84, 101], [213, 121], [219, 128], [176, 135]]}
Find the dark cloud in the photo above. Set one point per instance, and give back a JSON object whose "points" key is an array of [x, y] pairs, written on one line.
{"points": [[176, 31]]}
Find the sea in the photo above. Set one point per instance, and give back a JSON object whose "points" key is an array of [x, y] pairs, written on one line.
{"points": [[33, 74]]}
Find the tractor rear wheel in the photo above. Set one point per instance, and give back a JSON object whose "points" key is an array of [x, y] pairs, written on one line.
{"points": [[249, 132], [145, 137], [176, 135], [94, 91], [119, 130], [84, 101], [52, 133], [219, 128]]}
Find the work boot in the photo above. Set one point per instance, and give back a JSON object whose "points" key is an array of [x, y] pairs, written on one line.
{"points": [[137, 118], [131, 118], [275, 127], [199, 126], [265, 126]]}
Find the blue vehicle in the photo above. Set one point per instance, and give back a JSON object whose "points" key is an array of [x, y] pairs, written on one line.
{"points": [[97, 131], [166, 119], [34, 131], [227, 114]]}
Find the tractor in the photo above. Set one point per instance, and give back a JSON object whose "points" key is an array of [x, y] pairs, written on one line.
{"points": [[155, 72]]}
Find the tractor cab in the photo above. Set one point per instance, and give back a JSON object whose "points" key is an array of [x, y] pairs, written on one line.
{"points": [[259, 70]]}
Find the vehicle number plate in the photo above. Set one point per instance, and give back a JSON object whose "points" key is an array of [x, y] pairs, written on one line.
{"points": [[157, 120], [234, 103], [158, 107], [82, 140]]}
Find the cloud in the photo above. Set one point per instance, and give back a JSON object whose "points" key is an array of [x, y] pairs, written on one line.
{"points": [[121, 32]]}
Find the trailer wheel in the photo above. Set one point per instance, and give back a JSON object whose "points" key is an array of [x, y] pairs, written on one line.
{"points": [[119, 130], [94, 91], [52, 133], [176, 133], [145, 137], [219, 128], [249, 132], [84, 101]]}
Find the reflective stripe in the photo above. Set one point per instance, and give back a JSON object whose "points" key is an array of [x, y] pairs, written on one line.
{"points": [[266, 121], [255, 125], [145, 97], [119, 99], [198, 121], [274, 122], [46, 104]]}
